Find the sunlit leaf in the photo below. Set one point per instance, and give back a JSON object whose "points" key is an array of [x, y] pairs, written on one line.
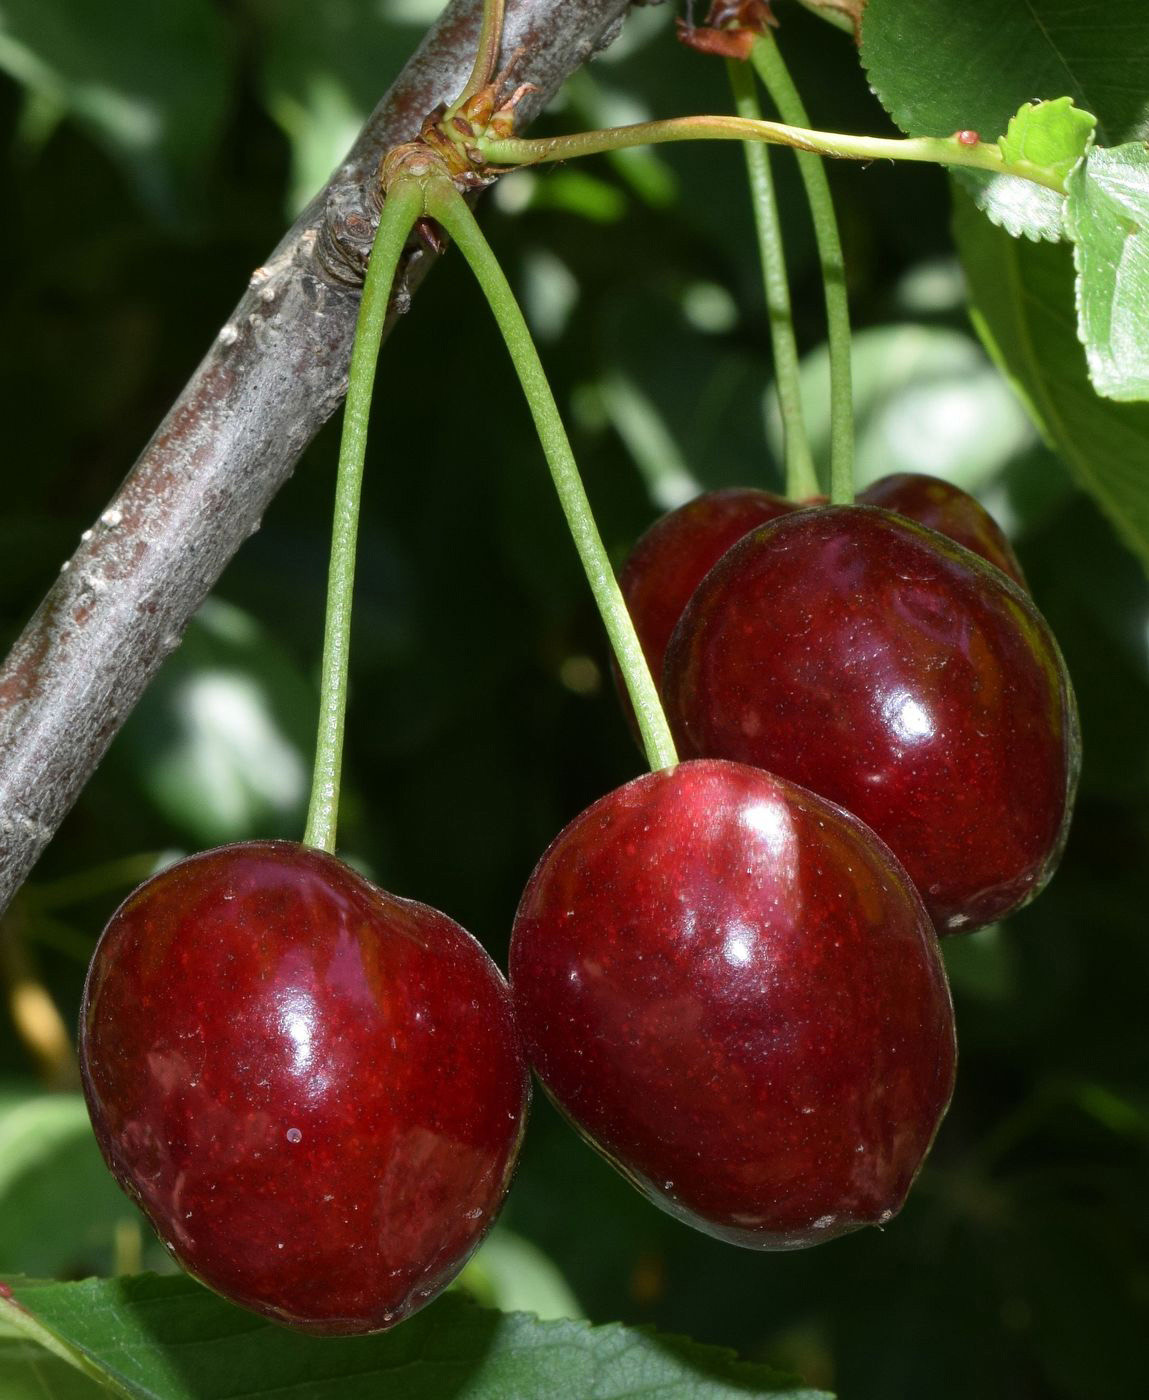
{"points": [[60, 1210], [514, 1275], [1108, 217], [940, 67], [1050, 135], [222, 739], [926, 399]]}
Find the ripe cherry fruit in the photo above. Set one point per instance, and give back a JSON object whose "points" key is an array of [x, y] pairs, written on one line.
{"points": [[877, 663], [671, 559], [733, 990], [314, 1089], [950, 511], [677, 552]]}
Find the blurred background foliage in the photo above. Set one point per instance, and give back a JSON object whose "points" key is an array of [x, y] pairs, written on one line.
{"points": [[152, 155]]}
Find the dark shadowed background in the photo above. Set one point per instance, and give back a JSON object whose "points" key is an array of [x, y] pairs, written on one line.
{"points": [[151, 157]]}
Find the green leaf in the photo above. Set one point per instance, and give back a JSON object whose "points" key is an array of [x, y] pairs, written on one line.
{"points": [[939, 67], [1023, 307], [1107, 216], [151, 82], [514, 1275], [1052, 135], [222, 740], [169, 1339], [60, 1210], [322, 70], [926, 399], [28, 1372]]}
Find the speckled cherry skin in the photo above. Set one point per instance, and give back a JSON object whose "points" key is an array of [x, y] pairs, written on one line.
{"points": [[732, 989], [948, 509], [889, 669], [313, 1088]]}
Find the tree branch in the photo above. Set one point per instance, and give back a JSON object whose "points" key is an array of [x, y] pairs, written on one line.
{"points": [[275, 373]]}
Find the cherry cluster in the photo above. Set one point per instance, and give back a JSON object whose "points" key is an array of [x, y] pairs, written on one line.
{"points": [[726, 973]]}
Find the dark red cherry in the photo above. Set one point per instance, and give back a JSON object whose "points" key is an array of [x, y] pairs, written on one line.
{"points": [[889, 669], [948, 509], [733, 990], [671, 559], [314, 1089]]}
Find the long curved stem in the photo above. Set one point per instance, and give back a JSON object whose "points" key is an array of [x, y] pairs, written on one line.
{"points": [[404, 204], [934, 150], [801, 479], [445, 204], [771, 68]]}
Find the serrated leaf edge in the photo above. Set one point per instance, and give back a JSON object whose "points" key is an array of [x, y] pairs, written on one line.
{"points": [[1081, 169], [737, 1367]]}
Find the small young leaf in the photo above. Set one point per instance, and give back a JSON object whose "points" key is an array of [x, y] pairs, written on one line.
{"points": [[148, 1338], [1107, 216], [1051, 135]]}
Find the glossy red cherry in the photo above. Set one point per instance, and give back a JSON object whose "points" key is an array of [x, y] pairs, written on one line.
{"points": [[894, 672], [314, 1089], [948, 509], [733, 990], [671, 559]]}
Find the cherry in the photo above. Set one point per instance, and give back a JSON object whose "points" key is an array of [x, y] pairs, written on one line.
{"points": [[893, 671], [948, 509], [671, 559], [313, 1088], [733, 990], [675, 554]]}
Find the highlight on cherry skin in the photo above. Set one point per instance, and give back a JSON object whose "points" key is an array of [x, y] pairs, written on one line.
{"points": [[313, 1088], [893, 671], [731, 988]]}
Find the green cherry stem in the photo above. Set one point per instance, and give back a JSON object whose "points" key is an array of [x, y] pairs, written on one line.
{"points": [[934, 150], [403, 205], [486, 54], [801, 478], [445, 204], [771, 68]]}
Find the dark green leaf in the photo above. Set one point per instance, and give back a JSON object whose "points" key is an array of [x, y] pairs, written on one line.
{"points": [[1023, 307], [150, 81], [939, 67], [1107, 215], [323, 68], [170, 1339]]}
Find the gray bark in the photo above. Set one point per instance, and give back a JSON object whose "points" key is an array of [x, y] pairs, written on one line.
{"points": [[274, 374]]}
